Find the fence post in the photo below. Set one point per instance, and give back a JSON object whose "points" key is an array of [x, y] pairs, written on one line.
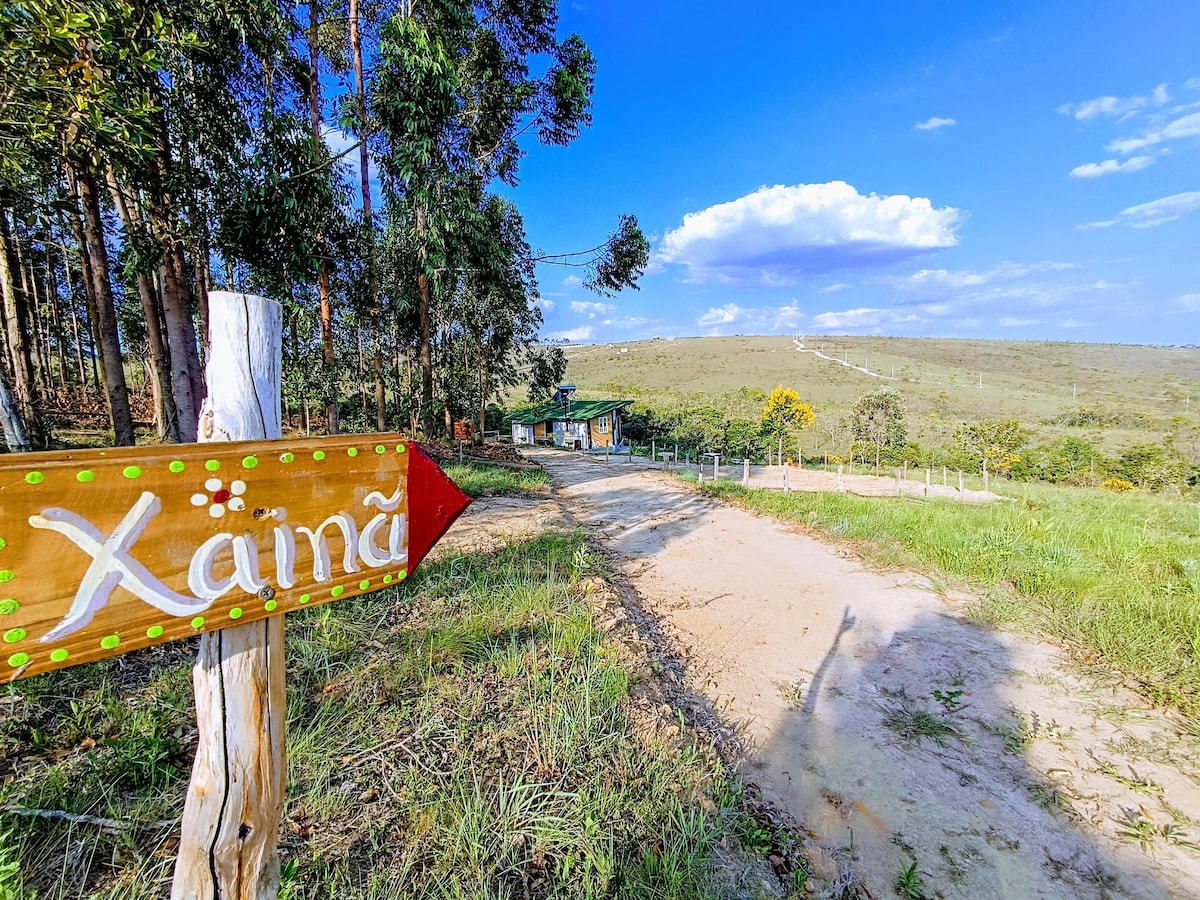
{"points": [[841, 483], [960, 481], [943, 476], [229, 837], [746, 472], [786, 487]]}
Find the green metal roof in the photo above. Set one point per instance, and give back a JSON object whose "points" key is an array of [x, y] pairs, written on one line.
{"points": [[581, 411]]}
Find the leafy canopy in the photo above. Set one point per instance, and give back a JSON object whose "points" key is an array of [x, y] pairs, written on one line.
{"points": [[786, 412]]}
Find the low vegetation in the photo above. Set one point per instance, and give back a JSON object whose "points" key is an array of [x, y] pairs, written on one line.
{"points": [[479, 480], [1114, 576], [470, 733]]}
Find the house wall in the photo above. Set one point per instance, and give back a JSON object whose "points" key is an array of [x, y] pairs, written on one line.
{"points": [[599, 438], [539, 430]]}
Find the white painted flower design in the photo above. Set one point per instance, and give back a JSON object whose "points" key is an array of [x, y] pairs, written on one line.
{"points": [[220, 497]]}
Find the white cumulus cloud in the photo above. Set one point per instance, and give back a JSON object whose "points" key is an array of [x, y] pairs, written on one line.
{"points": [[935, 122], [776, 234], [582, 333], [591, 310], [1110, 167], [572, 281], [723, 315], [1115, 107]]}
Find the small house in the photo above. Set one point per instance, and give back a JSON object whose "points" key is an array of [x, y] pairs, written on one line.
{"points": [[567, 422]]}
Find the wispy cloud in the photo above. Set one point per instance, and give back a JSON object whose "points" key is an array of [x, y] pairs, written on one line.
{"points": [[1164, 209], [572, 281], [935, 122], [835, 288], [1115, 107], [582, 333], [777, 234], [1016, 322], [1111, 167], [1182, 127], [1188, 303], [592, 310]]}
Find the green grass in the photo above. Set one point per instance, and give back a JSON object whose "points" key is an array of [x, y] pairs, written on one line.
{"points": [[1116, 577], [479, 480], [468, 734]]}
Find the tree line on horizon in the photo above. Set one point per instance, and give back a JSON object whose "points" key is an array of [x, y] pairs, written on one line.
{"points": [[151, 153]]}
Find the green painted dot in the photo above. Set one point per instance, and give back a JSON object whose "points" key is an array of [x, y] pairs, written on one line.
{"points": [[319, 455], [35, 478], [3, 543], [338, 590], [249, 462], [235, 613], [9, 606], [304, 598], [379, 448], [13, 635], [353, 451], [132, 472], [364, 584], [18, 659], [288, 457], [85, 476], [400, 448], [60, 655], [154, 631], [400, 576], [387, 579], [6, 575], [111, 642], [176, 466], [198, 622], [212, 465], [270, 605]]}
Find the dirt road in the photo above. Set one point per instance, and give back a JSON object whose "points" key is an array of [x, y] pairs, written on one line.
{"points": [[888, 724]]}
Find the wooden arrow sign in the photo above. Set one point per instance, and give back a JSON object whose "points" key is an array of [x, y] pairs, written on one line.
{"points": [[107, 551]]}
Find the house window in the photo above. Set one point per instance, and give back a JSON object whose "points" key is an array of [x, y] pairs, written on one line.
{"points": [[602, 424]]}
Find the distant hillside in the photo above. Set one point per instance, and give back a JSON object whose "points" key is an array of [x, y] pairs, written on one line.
{"points": [[1122, 394]]}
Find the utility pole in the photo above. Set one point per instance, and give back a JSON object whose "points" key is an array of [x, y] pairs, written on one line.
{"points": [[1074, 390]]}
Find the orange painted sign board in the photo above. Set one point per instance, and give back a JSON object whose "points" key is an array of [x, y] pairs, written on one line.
{"points": [[107, 551]]}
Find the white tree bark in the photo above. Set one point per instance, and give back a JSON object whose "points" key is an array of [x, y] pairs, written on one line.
{"points": [[229, 842]]}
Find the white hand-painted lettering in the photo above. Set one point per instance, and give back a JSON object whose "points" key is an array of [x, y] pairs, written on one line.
{"points": [[320, 546], [112, 565]]}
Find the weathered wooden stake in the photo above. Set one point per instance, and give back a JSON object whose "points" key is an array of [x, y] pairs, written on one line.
{"points": [[746, 472], [229, 841]]}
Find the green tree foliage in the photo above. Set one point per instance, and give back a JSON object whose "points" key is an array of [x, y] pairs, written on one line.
{"points": [[880, 420], [546, 370], [995, 440], [785, 412]]}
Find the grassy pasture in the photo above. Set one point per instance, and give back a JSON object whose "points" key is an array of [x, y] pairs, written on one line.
{"points": [[479, 480], [468, 734], [1115, 577], [1141, 390]]}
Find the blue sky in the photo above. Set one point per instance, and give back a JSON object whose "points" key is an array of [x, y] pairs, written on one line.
{"points": [[1023, 170]]}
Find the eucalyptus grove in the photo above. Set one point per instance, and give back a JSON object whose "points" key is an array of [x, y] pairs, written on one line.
{"points": [[150, 153]]}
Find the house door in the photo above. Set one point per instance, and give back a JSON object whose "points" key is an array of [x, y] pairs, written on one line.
{"points": [[580, 434], [560, 433]]}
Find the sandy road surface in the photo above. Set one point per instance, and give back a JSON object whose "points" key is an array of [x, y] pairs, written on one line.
{"points": [[1050, 785]]}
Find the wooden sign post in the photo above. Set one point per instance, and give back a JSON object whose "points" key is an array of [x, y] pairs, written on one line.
{"points": [[106, 551]]}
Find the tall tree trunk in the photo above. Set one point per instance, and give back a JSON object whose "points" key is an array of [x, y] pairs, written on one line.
{"points": [[33, 327], [24, 385], [53, 298], [85, 271], [115, 387], [364, 158], [187, 386], [160, 366], [10, 419], [327, 353], [425, 356]]}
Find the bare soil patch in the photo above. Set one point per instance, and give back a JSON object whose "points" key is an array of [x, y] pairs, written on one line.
{"points": [[891, 726]]}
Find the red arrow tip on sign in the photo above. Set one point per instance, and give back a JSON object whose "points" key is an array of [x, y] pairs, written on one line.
{"points": [[434, 502]]}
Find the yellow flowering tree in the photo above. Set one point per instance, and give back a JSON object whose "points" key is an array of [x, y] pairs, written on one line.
{"points": [[784, 413]]}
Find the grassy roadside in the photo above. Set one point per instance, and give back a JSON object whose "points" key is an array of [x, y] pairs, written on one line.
{"points": [[1116, 576], [480, 480], [468, 734]]}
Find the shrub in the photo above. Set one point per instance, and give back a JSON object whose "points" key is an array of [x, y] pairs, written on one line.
{"points": [[1116, 485]]}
